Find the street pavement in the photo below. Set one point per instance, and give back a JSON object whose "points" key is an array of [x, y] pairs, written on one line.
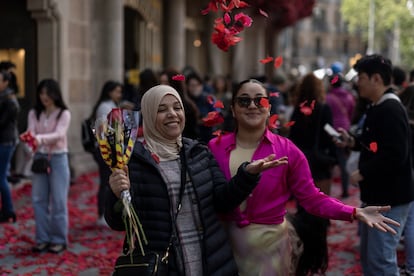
{"points": [[92, 248]]}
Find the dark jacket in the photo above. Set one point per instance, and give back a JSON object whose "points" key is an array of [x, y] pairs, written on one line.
{"points": [[9, 109], [214, 195], [306, 130], [387, 172]]}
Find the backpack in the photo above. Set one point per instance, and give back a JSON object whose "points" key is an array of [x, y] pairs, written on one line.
{"points": [[88, 137]]}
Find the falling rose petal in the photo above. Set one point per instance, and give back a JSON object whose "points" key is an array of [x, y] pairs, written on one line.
{"points": [[264, 102], [239, 4], [306, 110], [312, 105], [178, 77], [373, 146], [218, 104], [274, 94], [289, 124], [227, 18], [278, 62], [273, 121], [262, 12], [335, 79], [266, 60], [213, 118], [210, 99]]}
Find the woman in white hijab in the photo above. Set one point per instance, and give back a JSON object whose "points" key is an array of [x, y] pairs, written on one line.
{"points": [[162, 164]]}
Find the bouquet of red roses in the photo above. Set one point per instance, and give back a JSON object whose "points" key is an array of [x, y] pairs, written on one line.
{"points": [[116, 135]]}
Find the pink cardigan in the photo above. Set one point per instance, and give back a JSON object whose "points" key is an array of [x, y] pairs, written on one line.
{"points": [[51, 134], [267, 203]]}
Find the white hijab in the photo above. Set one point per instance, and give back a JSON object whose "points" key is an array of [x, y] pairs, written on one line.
{"points": [[165, 149]]}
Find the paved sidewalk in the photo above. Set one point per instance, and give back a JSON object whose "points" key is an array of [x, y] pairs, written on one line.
{"points": [[93, 249]]}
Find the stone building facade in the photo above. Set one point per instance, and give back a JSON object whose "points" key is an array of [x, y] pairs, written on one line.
{"points": [[83, 43]]}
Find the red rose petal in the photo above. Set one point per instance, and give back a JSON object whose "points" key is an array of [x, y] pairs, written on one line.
{"points": [[178, 77], [373, 146], [218, 104], [266, 60], [278, 62], [264, 102]]}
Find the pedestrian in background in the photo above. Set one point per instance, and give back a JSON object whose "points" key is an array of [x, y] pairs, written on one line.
{"points": [[384, 172], [191, 130], [407, 99], [110, 97], [263, 241], [9, 109], [167, 171], [48, 123], [342, 104]]}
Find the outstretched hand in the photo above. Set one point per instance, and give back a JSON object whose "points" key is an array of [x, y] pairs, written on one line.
{"points": [[371, 215], [263, 164]]}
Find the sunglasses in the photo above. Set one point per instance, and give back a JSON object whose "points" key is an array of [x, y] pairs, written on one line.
{"points": [[246, 101]]}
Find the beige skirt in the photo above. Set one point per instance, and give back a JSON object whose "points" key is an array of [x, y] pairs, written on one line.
{"points": [[265, 250]]}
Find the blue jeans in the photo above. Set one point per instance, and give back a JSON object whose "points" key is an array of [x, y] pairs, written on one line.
{"points": [[379, 249], [409, 240], [6, 152], [50, 201], [342, 158]]}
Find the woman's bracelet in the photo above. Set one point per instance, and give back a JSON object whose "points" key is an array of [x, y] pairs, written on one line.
{"points": [[353, 216]]}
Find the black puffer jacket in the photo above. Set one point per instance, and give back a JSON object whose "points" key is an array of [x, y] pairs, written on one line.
{"points": [[214, 193]]}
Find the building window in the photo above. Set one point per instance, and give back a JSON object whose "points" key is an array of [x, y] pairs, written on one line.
{"points": [[319, 20], [318, 49]]}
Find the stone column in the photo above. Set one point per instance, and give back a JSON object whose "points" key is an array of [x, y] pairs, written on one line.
{"points": [[175, 33], [109, 42], [47, 18]]}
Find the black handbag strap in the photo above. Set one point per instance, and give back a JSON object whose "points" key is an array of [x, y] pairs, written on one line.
{"points": [[174, 234]]}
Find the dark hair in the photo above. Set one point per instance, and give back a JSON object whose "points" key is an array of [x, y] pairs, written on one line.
{"points": [[193, 76], [6, 75], [107, 88], [240, 85], [310, 88], [375, 64], [411, 75], [147, 79], [53, 91], [398, 76]]}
